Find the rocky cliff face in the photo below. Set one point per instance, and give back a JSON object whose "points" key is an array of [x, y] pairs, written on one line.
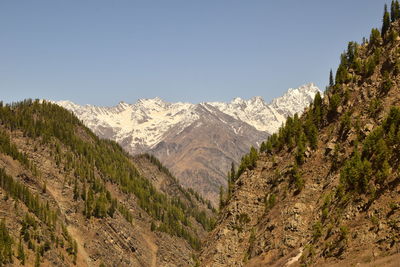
{"points": [[332, 201], [198, 142]]}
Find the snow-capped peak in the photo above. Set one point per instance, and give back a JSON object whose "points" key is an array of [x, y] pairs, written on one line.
{"points": [[269, 117], [148, 121]]}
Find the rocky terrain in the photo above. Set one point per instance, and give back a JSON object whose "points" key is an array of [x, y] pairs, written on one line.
{"points": [[68, 198], [198, 142], [324, 190]]}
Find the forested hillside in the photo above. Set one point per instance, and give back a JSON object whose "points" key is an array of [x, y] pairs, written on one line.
{"points": [[325, 189], [70, 198]]}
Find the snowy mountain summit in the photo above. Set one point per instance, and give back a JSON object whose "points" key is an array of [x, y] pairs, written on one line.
{"points": [[269, 117], [145, 123], [197, 142], [142, 124]]}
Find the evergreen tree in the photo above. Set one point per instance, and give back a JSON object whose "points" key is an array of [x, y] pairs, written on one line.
{"points": [[334, 102], [342, 74], [317, 109], [21, 252], [37, 259], [253, 157], [230, 187], [76, 189], [232, 172], [387, 82], [221, 198], [375, 38], [300, 149], [352, 53], [331, 82], [152, 226], [5, 244], [394, 10], [263, 147], [100, 209], [312, 135], [112, 208], [385, 21]]}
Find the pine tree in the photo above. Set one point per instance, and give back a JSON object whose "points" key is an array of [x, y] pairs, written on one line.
{"points": [[21, 252], [100, 209], [112, 208], [313, 136], [232, 172], [89, 203], [300, 149], [253, 157], [375, 38], [5, 244], [317, 109], [221, 198], [75, 251], [37, 259], [44, 189], [331, 82], [392, 11], [76, 189], [83, 193], [385, 21]]}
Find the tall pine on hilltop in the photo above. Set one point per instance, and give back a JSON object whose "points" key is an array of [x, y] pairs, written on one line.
{"points": [[331, 81], [394, 10], [385, 21]]}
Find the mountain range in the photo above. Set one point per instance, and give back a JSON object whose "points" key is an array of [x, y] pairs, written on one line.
{"points": [[198, 142]]}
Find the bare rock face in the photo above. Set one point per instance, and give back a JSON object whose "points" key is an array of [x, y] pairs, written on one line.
{"points": [[198, 142]]}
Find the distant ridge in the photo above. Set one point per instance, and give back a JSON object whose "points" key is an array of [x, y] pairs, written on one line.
{"points": [[197, 142]]}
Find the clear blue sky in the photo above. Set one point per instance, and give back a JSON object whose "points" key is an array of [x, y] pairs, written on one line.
{"points": [[101, 52]]}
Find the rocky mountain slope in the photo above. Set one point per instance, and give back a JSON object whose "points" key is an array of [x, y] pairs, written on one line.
{"points": [[68, 198], [198, 142], [324, 190]]}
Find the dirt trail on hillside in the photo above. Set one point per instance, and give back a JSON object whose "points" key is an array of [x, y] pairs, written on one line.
{"points": [[153, 248], [83, 256]]}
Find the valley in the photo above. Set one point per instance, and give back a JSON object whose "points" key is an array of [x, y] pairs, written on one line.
{"points": [[309, 178]]}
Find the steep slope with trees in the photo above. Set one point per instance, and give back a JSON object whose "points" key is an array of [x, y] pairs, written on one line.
{"points": [[324, 190], [70, 198]]}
